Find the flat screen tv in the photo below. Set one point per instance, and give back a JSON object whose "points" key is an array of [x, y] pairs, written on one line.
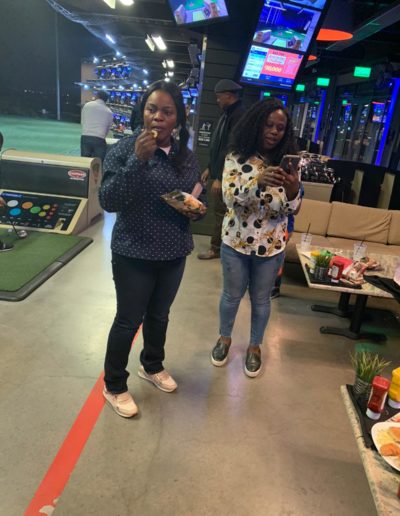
{"points": [[315, 4], [271, 67], [193, 12], [285, 25]]}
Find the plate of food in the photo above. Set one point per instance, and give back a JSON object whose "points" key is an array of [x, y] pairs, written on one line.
{"points": [[386, 437], [178, 199]]}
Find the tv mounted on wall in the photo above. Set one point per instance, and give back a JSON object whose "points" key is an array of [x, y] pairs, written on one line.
{"points": [[271, 67], [286, 25], [194, 12], [315, 4], [281, 40]]}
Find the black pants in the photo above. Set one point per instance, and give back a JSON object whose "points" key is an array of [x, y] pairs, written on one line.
{"points": [[145, 292], [219, 214], [93, 147]]}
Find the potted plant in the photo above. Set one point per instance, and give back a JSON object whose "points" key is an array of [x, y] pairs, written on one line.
{"points": [[322, 266], [366, 366]]}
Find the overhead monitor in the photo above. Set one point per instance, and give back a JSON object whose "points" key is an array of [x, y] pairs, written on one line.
{"points": [[196, 12], [271, 67], [286, 25], [315, 4], [282, 37]]}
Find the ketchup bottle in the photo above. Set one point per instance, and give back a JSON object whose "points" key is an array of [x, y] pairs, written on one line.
{"points": [[337, 267], [377, 398]]}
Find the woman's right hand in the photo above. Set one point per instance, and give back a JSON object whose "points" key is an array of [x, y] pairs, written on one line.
{"points": [[145, 145], [271, 176]]}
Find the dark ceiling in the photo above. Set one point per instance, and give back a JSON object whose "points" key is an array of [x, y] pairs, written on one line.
{"points": [[376, 36]]}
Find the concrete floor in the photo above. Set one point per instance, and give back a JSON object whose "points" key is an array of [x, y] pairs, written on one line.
{"points": [[223, 444]]}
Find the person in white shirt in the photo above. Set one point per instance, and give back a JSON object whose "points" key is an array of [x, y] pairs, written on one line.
{"points": [[96, 120]]}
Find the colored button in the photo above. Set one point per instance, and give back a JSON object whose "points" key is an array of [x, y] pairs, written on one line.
{"points": [[12, 203], [46, 207], [35, 209], [42, 214], [27, 205], [15, 212]]}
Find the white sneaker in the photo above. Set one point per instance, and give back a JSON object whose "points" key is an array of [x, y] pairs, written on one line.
{"points": [[163, 380], [123, 403]]}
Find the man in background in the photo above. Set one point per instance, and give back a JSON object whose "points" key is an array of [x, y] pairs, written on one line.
{"points": [[228, 99], [96, 120]]}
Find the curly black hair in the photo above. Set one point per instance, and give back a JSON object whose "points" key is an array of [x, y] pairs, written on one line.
{"points": [[176, 95], [246, 135]]}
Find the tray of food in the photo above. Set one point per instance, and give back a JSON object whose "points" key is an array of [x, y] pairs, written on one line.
{"points": [[183, 200]]}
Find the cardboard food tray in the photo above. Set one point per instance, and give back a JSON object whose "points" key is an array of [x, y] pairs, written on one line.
{"points": [[178, 200]]}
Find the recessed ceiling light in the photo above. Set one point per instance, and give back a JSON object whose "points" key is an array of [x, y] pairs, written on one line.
{"points": [[127, 2]]}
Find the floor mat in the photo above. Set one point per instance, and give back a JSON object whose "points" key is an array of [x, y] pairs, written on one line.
{"points": [[33, 260]]}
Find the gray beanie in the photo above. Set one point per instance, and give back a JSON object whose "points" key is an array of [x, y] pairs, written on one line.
{"points": [[227, 85]]}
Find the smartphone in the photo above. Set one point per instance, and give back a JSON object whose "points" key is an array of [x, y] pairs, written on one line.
{"points": [[290, 163]]}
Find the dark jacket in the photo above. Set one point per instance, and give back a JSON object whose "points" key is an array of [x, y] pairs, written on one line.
{"points": [[146, 226], [220, 138]]}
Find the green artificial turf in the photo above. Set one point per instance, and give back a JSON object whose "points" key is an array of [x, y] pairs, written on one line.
{"points": [[40, 135], [33, 255]]}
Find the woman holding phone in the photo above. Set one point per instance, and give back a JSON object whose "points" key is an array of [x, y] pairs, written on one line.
{"points": [[259, 195]]}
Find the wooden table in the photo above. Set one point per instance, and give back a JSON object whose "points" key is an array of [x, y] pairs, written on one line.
{"points": [[356, 314], [383, 479]]}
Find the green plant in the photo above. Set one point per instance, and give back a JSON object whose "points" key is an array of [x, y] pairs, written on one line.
{"points": [[367, 365], [322, 260]]}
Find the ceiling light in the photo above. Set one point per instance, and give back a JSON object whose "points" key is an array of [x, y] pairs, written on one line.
{"points": [[110, 38], [170, 63], [110, 3], [150, 43], [146, 72], [127, 2], [164, 64], [170, 74], [167, 79], [159, 42], [338, 23], [95, 60], [146, 82], [135, 85], [117, 53]]}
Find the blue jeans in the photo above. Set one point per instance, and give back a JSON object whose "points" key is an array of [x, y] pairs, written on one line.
{"points": [[241, 271]]}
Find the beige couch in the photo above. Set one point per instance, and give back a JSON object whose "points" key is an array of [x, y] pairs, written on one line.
{"points": [[339, 225]]}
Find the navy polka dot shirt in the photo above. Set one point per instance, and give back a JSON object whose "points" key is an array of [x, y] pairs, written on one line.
{"points": [[146, 226]]}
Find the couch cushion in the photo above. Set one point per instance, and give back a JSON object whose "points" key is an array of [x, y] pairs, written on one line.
{"points": [[394, 231], [315, 212], [359, 223]]}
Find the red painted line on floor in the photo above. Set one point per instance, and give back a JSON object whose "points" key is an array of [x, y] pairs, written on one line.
{"points": [[68, 455]]}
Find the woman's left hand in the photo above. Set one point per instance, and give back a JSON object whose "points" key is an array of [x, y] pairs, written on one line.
{"points": [[291, 184]]}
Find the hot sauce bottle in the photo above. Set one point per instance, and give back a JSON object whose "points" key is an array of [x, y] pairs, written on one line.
{"points": [[377, 398]]}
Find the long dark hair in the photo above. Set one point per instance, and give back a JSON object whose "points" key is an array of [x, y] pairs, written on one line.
{"points": [[246, 135], [176, 95]]}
